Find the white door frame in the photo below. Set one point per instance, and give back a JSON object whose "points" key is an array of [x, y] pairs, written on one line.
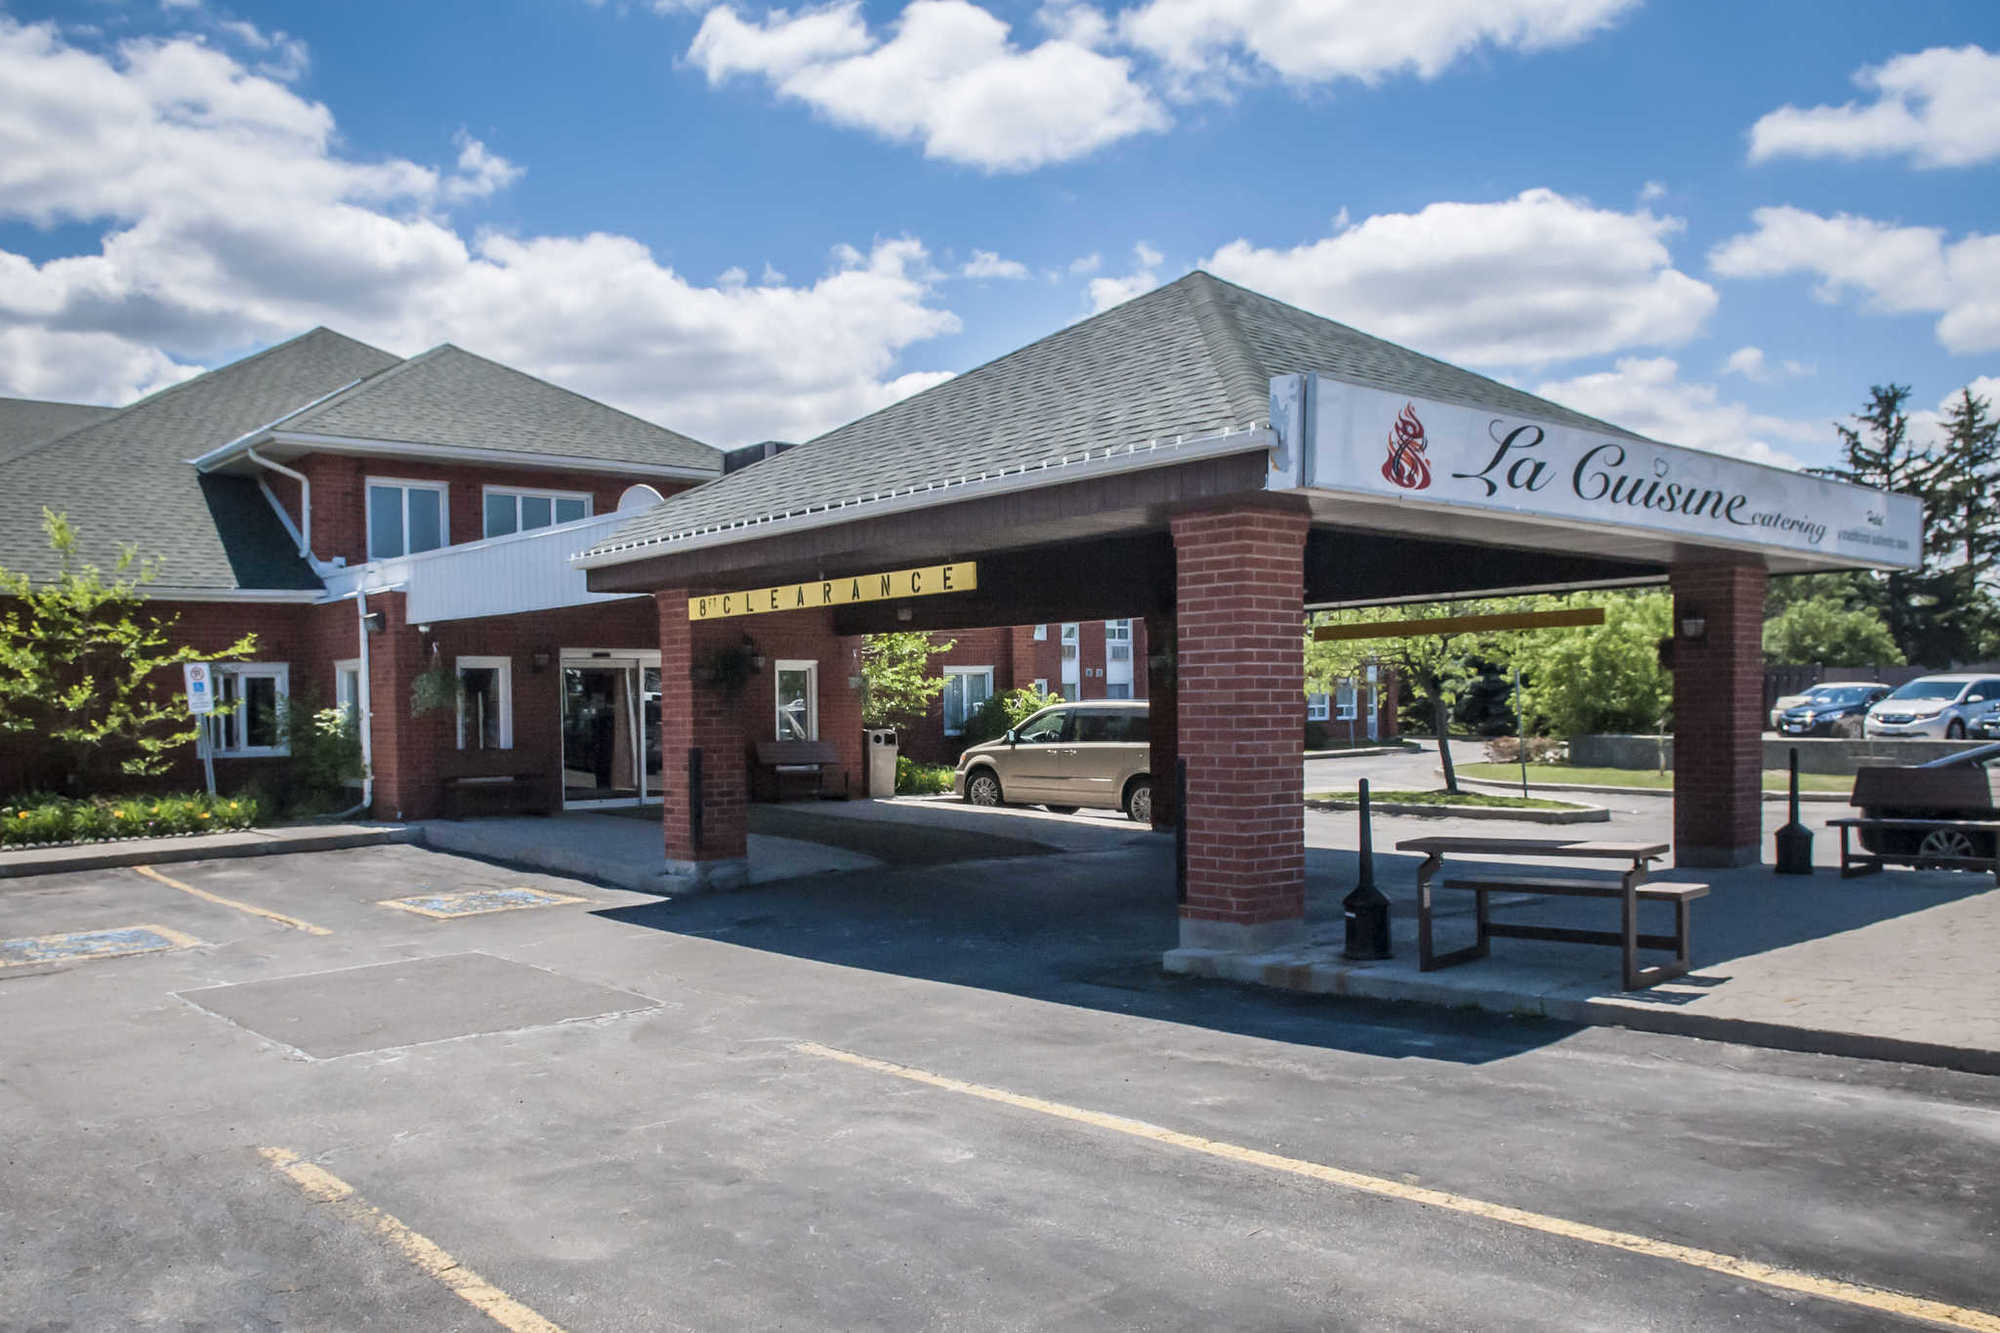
{"points": [[632, 662]]}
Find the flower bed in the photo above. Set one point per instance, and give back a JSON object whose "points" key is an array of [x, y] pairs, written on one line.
{"points": [[43, 821]]}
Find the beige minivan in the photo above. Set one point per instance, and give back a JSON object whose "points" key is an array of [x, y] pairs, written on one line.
{"points": [[1068, 755]]}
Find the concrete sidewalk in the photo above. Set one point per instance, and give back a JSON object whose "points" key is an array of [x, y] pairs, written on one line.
{"points": [[1898, 966], [17, 862]]}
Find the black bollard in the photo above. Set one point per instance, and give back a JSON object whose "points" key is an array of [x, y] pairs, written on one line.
{"points": [[1366, 909], [1795, 839]]}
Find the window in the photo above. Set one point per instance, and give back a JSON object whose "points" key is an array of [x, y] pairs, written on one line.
{"points": [[1069, 641], [965, 688], [404, 517], [1122, 727], [524, 511], [1319, 707], [1041, 633], [1041, 685], [798, 701], [1072, 691], [1118, 689], [485, 703], [1118, 642], [1044, 728], [258, 690], [347, 687]]}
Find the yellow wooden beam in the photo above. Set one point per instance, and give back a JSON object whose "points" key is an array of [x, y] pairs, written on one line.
{"points": [[1567, 618]]}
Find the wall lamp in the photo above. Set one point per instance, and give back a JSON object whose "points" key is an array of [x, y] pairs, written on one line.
{"points": [[1694, 626]]}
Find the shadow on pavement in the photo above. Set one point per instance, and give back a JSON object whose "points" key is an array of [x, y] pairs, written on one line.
{"points": [[1076, 928]]}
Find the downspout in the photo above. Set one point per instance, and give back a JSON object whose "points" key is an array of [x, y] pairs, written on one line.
{"points": [[305, 501], [364, 713]]}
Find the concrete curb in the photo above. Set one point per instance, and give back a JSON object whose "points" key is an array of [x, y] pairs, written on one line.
{"points": [[1589, 814], [1372, 752], [1594, 789], [1286, 971], [211, 847]]}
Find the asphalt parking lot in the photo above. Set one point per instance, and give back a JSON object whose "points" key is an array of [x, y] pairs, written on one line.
{"points": [[932, 1095]]}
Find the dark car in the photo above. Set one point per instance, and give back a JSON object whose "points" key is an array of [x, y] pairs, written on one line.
{"points": [[1830, 710], [1963, 786]]}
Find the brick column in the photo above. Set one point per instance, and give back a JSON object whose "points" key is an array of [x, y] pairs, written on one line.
{"points": [[1719, 716], [1241, 686], [694, 716], [404, 750], [1163, 710]]}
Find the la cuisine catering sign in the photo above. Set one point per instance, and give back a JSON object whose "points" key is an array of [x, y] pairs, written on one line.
{"points": [[1342, 437], [894, 585]]}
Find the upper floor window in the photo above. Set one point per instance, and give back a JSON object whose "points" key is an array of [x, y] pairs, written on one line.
{"points": [[510, 510], [404, 517]]}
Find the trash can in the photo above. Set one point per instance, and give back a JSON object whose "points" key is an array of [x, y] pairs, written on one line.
{"points": [[881, 761]]}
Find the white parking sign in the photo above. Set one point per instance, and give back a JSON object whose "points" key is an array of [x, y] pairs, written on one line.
{"points": [[200, 690]]}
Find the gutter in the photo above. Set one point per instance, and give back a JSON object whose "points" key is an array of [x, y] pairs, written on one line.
{"points": [[305, 529], [1026, 477]]}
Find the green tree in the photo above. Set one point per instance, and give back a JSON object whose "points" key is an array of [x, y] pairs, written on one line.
{"points": [[1001, 713], [1581, 681], [1967, 525], [1437, 666], [1825, 631], [897, 686], [88, 673]]}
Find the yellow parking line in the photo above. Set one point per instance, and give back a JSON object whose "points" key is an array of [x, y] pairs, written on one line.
{"points": [[265, 912], [1785, 1279], [322, 1186]]}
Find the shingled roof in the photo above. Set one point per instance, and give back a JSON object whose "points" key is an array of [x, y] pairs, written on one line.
{"points": [[27, 422], [1191, 359], [125, 477], [450, 397]]}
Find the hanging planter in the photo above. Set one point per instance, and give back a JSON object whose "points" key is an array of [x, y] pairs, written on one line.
{"points": [[434, 690], [729, 668]]}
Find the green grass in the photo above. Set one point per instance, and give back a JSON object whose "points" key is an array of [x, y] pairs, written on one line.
{"points": [[1446, 798], [1774, 779]]}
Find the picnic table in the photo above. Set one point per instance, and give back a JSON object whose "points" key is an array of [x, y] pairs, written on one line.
{"points": [[1629, 887]]}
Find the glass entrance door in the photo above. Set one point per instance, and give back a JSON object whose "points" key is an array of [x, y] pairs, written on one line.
{"points": [[599, 744]]}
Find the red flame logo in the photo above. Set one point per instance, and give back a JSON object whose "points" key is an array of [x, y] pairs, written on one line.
{"points": [[1406, 466]]}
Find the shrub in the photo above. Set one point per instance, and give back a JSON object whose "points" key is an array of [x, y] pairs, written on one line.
{"points": [[1001, 713], [1541, 750], [41, 818], [915, 779]]}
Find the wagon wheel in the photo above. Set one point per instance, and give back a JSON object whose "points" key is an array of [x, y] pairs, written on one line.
{"points": [[1943, 842]]}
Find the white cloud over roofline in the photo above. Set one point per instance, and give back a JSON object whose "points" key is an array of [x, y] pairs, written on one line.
{"points": [[1527, 281], [232, 219], [1647, 395]]}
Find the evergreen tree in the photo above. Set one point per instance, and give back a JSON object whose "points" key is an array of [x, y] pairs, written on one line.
{"points": [[1967, 525]]}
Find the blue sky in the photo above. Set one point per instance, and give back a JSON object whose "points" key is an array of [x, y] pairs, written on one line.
{"points": [[1716, 224]]}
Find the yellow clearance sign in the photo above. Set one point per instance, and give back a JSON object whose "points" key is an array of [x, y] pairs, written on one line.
{"points": [[926, 582]]}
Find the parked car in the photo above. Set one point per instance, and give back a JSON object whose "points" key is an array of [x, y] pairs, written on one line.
{"points": [[1067, 756], [1963, 786], [1834, 709], [1939, 707]]}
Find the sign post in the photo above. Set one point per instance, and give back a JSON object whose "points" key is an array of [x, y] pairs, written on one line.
{"points": [[200, 683]]}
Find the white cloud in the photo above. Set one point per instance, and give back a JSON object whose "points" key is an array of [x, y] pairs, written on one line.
{"points": [[1941, 107], [1651, 191], [1108, 292], [949, 79], [230, 219], [1897, 270], [1523, 281], [988, 264], [1647, 395], [1089, 263], [1315, 40], [1752, 364]]}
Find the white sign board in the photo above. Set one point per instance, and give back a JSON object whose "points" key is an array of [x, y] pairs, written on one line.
{"points": [[1342, 437], [200, 687]]}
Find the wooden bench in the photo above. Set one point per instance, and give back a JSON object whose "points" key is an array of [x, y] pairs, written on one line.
{"points": [[803, 767], [496, 794], [1865, 862], [1629, 888]]}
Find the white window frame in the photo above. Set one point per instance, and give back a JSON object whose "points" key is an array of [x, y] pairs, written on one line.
{"points": [[778, 670], [951, 671], [344, 698], [1041, 685], [503, 668], [1041, 633], [1319, 708], [408, 484], [227, 729], [486, 492]]}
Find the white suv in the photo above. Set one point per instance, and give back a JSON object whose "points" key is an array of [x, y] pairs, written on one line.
{"points": [[1938, 707]]}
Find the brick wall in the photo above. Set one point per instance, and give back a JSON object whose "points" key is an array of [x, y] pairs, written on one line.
{"points": [[340, 501], [1719, 716], [924, 740], [1241, 703]]}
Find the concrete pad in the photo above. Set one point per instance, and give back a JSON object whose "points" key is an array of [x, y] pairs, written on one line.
{"points": [[328, 1014]]}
